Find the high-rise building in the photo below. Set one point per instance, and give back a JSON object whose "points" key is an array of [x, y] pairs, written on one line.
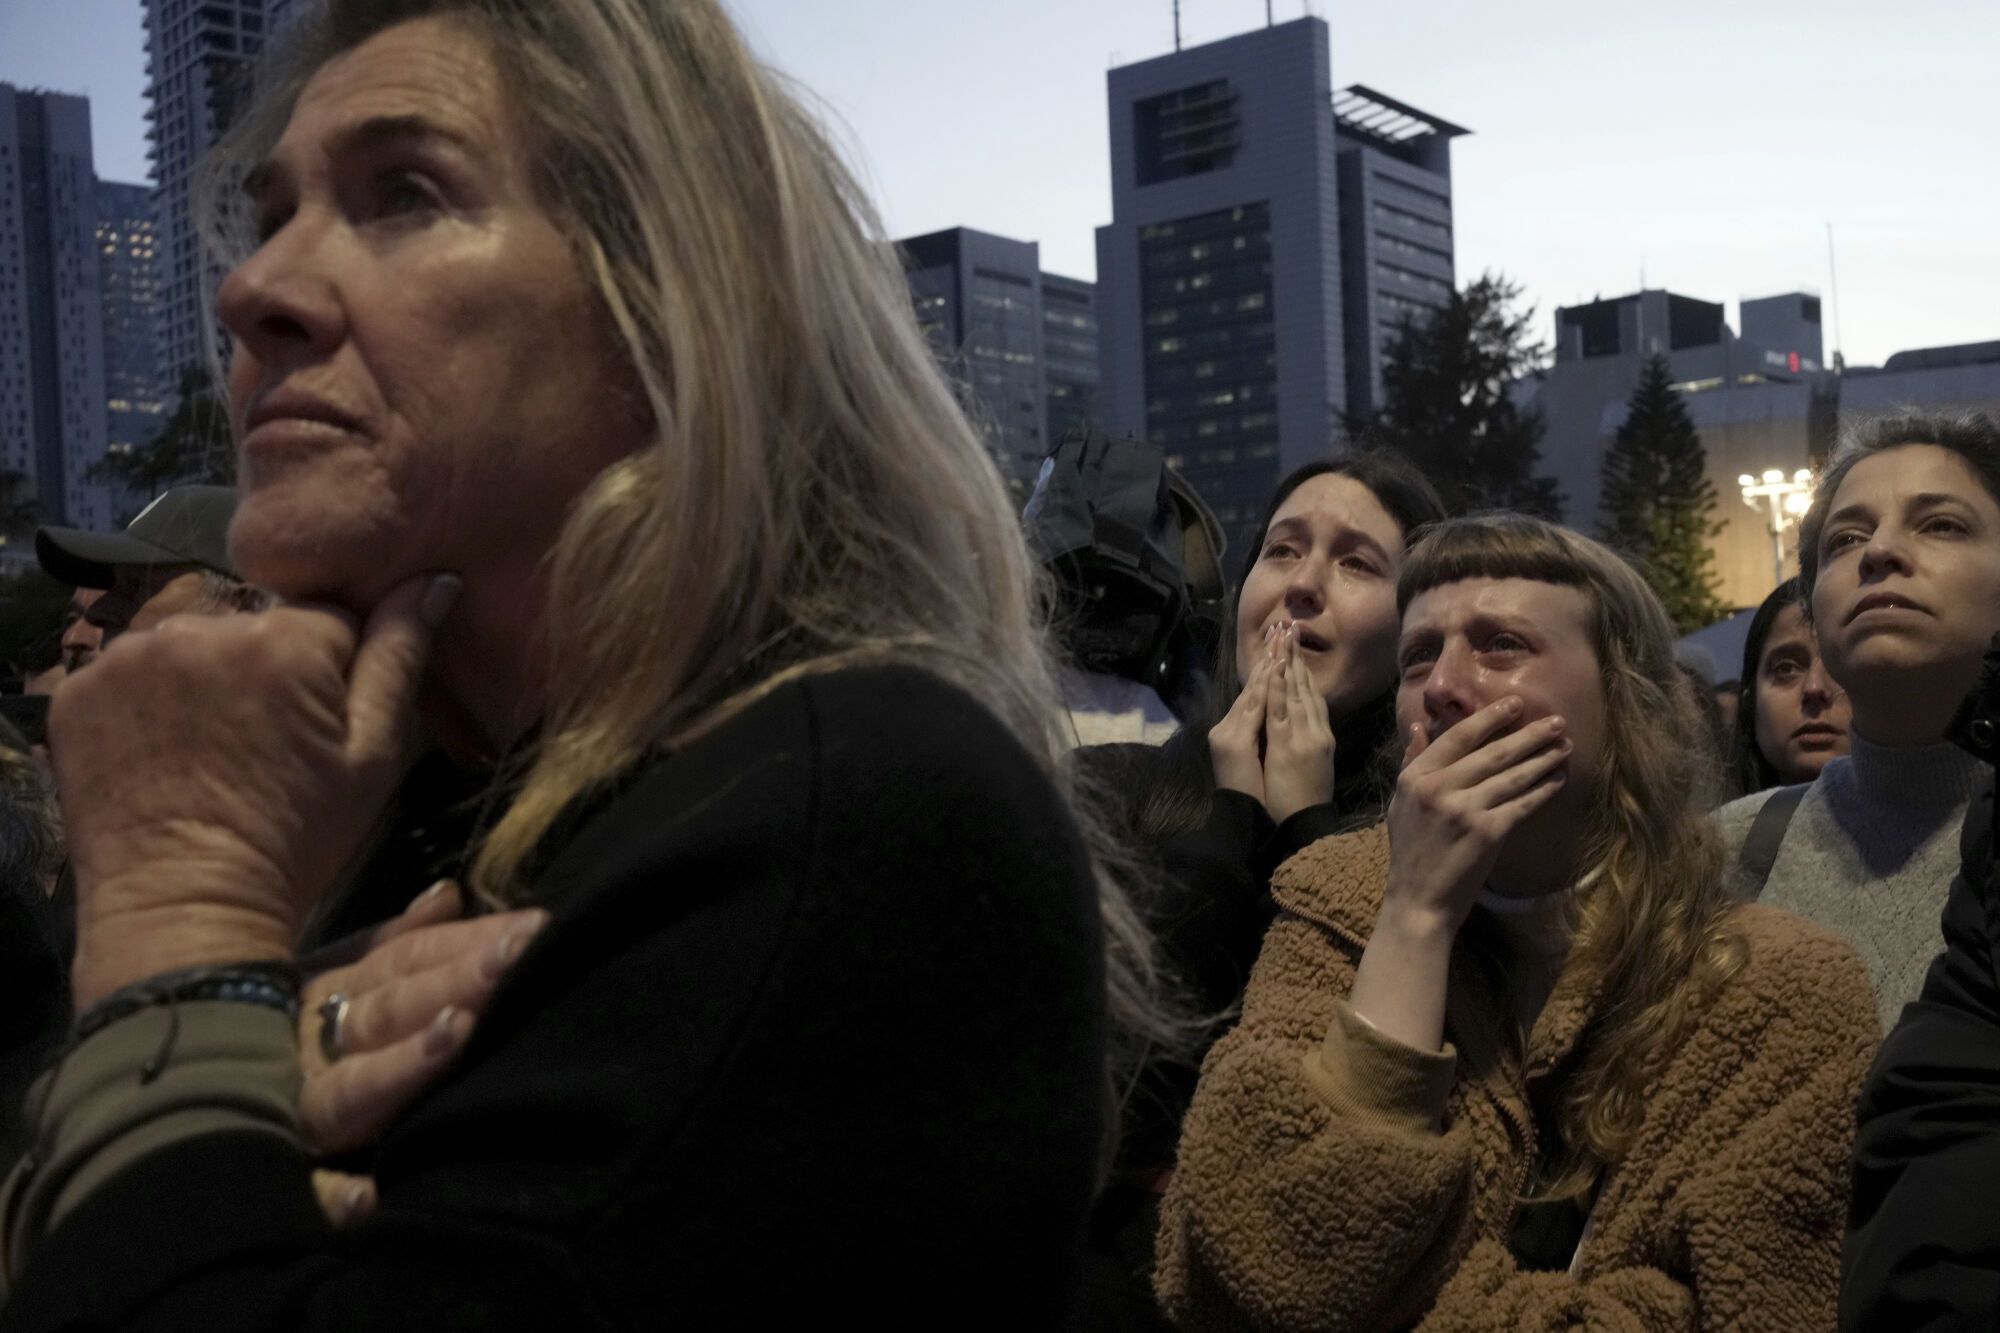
{"points": [[134, 384], [197, 66], [1069, 352], [1219, 275], [1020, 343], [52, 395], [1395, 228]]}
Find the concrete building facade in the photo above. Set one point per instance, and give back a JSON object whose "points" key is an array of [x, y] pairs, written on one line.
{"points": [[52, 384], [978, 300], [1021, 344], [1753, 402], [1762, 400], [1396, 240], [134, 384], [1069, 353], [198, 58], [1960, 378], [1219, 275]]}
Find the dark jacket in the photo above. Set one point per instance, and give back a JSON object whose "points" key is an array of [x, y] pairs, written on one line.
{"points": [[1923, 1243], [1209, 907], [816, 1038]]}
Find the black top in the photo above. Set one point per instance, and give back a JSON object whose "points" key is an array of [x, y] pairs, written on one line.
{"points": [[34, 1002], [1210, 857], [816, 1036], [1923, 1242], [1211, 903]]}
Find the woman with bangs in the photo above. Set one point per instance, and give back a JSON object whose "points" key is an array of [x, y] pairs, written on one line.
{"points": [[1512, 1059]]}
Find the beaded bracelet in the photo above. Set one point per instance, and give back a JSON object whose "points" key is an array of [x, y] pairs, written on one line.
{"points": [[274, 985]]}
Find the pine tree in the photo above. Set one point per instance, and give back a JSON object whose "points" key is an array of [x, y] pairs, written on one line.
{"points": [[1659, 506], [1447, 403], [191, 446]]}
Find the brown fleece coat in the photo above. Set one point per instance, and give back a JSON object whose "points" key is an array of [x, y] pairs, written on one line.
{"points": [[1331, 1178]]}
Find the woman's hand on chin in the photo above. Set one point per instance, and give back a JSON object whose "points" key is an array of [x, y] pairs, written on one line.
{"points": [[218, 772]]}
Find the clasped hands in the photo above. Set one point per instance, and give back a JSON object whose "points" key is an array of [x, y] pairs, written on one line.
{"points": [[1276, 741]]}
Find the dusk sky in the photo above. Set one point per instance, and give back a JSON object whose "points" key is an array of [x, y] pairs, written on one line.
{"points": [[1703, 144]]}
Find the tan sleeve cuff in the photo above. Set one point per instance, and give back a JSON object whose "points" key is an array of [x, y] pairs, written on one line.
{"points": [[1368, 1076], [231, 1066]]}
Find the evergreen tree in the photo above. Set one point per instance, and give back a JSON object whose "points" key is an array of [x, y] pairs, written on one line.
{"points": [[1447, 403], [192, 446], [1659, 506]]}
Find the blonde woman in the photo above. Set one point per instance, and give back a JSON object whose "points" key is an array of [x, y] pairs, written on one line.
{"points": [[581, 411], [1512, 1060]]}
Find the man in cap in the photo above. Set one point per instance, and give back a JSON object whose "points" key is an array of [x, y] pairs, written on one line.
{"points": [[172, 559]]}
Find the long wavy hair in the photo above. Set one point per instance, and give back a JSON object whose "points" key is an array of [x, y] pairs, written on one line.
{"points": [[813, 496], [1652, 937]]}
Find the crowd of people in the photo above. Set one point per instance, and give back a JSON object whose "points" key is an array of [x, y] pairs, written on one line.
{"points": [[586, 834]]}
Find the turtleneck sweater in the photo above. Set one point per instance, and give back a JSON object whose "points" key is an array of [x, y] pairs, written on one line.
{"points": [[1870, 854], [1537, 933]]}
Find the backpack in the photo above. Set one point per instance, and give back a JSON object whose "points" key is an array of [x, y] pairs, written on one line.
{"points": [[1136, 558]]}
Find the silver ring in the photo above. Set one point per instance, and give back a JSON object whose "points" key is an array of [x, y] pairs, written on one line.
{"points": [[332, 1013]]}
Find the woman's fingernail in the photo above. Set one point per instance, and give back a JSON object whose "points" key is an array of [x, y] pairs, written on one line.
{"points": [[439, 598], [510, 945], [428, 895], [358, 1202], [442, 1035], [1556, 724]]}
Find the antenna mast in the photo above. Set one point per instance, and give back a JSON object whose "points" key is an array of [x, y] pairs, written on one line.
{"points": [[1177, 25], [1833, 283]]}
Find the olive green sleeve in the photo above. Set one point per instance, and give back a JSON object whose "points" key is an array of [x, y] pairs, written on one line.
{"points": [[228, 1066]]}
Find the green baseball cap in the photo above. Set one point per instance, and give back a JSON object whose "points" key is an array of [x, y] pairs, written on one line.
{"points": [[188, 525]]}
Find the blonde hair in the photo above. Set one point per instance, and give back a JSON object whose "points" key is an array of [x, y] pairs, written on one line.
{"points": [[814, 498], [1652, 935]]}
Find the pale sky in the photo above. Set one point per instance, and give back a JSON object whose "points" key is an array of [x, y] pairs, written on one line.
{"points": [[1705, 144]]}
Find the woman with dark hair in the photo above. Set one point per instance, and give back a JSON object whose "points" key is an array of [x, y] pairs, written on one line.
{"points": [[1283, 755], [1792, 719], [1899, 571]]}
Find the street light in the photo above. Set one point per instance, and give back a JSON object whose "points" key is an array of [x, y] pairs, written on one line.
{"points": [[1786, 500]]}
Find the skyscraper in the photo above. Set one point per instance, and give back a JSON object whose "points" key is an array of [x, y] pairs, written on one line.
{"points": [[1021, 343], [197, 66], [1219, 277], [135, 387], [1395, 228], [52, 398], [1268, 236], [1069, 352]]}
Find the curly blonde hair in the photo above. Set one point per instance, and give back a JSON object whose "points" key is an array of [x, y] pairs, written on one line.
{"points": [[1652, 931]]}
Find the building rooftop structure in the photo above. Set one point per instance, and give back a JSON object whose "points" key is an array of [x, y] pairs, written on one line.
{"points": [[1366, 116]]}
